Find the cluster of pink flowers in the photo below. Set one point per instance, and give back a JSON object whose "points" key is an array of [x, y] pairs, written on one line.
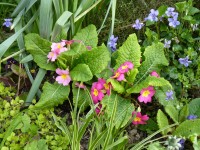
{"points": [[56, 49], [98, 91], [124, 68], [64, 77]]}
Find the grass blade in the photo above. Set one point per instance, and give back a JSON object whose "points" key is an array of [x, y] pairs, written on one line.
{"points": [[27, 59], [119, 141], [22, 5]]}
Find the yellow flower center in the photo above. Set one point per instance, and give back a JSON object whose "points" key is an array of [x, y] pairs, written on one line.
{"points": [[59, 46], [106, 86], [124, 67], [145, 93], [116, 75], [95, 92], [64, 76], [137, 119], [52, 54]]}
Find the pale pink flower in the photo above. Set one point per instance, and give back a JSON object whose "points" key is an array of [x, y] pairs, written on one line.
{"points": [[146, 94], [125, 67], [64, 77], [52, 56], [154, 73], [80, 85], [58, 47], [119, 76], [139, 118], [96, 93]]}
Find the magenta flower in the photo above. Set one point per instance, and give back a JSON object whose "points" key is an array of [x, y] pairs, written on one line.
{"points": [[80, 85], [139, 118], [98, 109], [107, 86], [146, 94], [96, 93], [125, 67], [155, 74], [119, 76], [52, 56], [64, 77]]}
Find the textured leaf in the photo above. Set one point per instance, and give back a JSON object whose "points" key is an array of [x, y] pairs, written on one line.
{"points": [[194, 107], [84, 98], [149, 81], [97, 59], [105, 74], [39, 49], [172, 112], [162, 121], [123, 112], [155, 146], [37, 145], [88, 36], [116, 85], [129, 51], [184, 113], [81, 73], [154, 57], [18, 71], [131, 75], [188, 128], [52, 95], [26, 123]]}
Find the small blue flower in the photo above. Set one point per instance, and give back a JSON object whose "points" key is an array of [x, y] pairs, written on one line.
{"points": [[173, 22], [7, 22], [169, 11], [174, 15], [185, 61], [167, 43], [182, 142], [191, 117], [113, 42], [138, 25], [153, 16], [169, 95]]}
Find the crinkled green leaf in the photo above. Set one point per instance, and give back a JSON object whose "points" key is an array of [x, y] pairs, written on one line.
{"points": [[81, 73], [84, 98], [184, 112], [123, 112], [188, 128], [155, 146], [116, 85], [26, 123], [194, 107], [172, 112], [18, 71], [154, 57], [131, 75], [129, 51], [105, 74], [39, 49], [37, 145], [162, 121], [88, 36], [149, 81], [52, 95], [97, 59]]}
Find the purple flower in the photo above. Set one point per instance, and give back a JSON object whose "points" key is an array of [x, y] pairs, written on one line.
{"points": [[167, 43], [153, 16], [182, 142], [7, 22], [113, 42], [185, 61], [169, 95], [174, 15], [191, 117], [173, 22], [138, 25], [169, 11]]}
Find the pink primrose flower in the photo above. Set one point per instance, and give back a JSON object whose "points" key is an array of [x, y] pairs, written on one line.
{"points": [[146, 94], [125, 67], [107, 86], [139, 118], [58, 47], [119, 76], [80, 85], [52, 56], [96, 93], [64, 77], [154, 73], [98, 109]]}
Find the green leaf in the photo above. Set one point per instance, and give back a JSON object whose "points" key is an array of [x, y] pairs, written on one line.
{"points": [[183, 113], [180, 6], [18, 71], [81, 73], [84, 98], [155, 146], [52, 95], [26, 123], [149, 81], [37, 145], [172, 112], [123, 112], [162, 9], [162, 121], [129, 51], [105, 74], [131, 75], [193, 10], [39, 48], [194, 107], [154, 57], [116, 85], [97, 59], [88, 36], [188, 128]]}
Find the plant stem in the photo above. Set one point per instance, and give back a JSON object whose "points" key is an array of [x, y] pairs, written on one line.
{"points": [[15, 54]]}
